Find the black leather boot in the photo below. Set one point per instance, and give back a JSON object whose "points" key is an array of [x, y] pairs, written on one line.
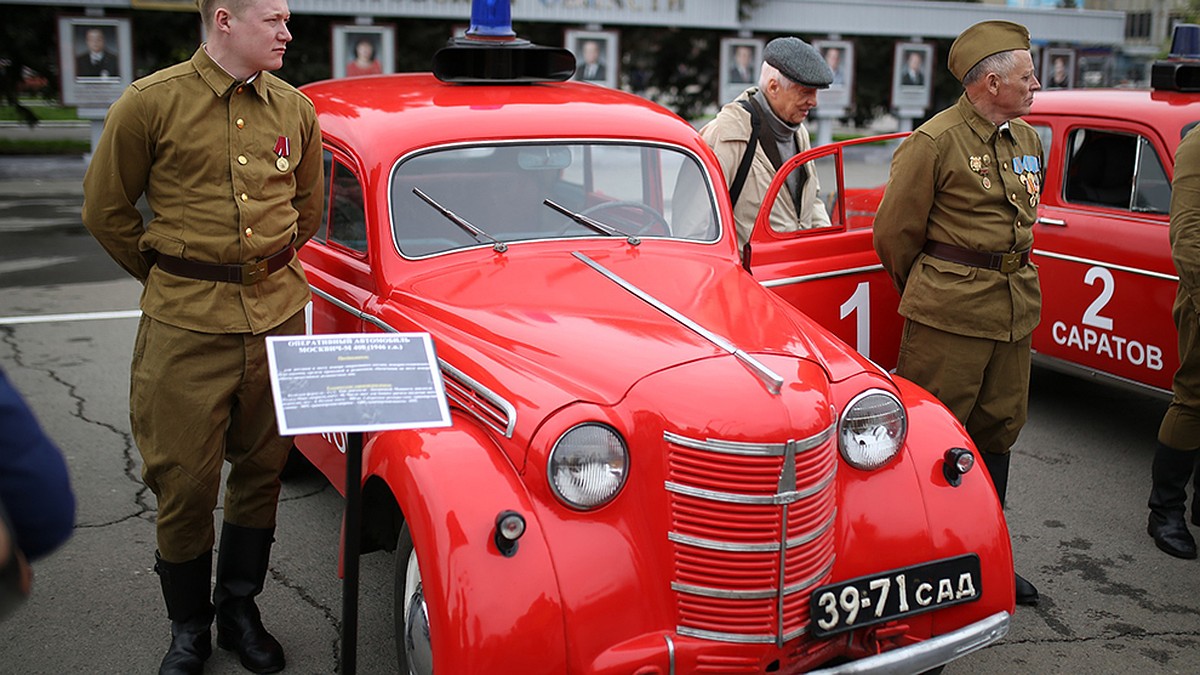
{"points": [[1171, 472], [185, 590], [997, 466], [241, 568]]}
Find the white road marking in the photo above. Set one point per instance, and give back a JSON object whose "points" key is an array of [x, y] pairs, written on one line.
{"points": [[63, 318], [34, 263]]}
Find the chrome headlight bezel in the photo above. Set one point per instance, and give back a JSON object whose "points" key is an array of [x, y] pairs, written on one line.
{"points": [[872, 429], [588, 466]]}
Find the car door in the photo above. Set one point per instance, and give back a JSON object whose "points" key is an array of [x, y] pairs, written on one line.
{"points": [[337, 264], [1102, 251], [832, 273]]}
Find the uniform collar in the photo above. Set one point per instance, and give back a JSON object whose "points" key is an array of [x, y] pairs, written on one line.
{"points": [[982, 126], [220, 81]]}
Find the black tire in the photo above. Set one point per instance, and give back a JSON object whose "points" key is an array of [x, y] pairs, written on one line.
{"points": [[297, 466]]}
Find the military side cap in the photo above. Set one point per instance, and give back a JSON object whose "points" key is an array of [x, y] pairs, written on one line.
{"points": [[981, 41], [799, 62]]}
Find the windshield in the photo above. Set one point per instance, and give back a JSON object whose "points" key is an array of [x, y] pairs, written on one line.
{"points": [[646, 191]]}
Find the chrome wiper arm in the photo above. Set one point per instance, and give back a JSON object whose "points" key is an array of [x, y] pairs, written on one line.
{"points": [[592, 224], [479, 235]]}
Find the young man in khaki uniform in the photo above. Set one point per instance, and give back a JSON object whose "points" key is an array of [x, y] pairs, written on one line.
{"points": [[228, 157], [1179, 434], [954, 231]]}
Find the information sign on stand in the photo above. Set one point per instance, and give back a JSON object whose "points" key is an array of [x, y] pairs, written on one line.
{"points": [[354, 383]]}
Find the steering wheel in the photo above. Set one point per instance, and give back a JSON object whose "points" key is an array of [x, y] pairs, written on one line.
{"points": [[657, 225]]}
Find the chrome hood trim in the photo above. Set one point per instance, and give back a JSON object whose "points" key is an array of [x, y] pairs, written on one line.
{"points": [[772, 381]]}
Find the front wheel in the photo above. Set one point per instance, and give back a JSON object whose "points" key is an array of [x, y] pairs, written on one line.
{"points": [[414, 649]]}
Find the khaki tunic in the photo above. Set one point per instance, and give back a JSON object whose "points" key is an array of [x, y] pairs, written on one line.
{"points": [[728, 134], [934, 193], [205, 151], [201, 147], [960, 180], [1180, 427]]}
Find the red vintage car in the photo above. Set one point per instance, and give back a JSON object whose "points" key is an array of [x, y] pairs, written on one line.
{"points": [[655, 464], [1100, 243]]}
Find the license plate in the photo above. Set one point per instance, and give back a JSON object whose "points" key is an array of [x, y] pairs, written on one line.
{"points": [[881, 597]]}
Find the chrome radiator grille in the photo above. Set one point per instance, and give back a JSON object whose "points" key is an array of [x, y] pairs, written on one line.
{"points": [[752, 528]]}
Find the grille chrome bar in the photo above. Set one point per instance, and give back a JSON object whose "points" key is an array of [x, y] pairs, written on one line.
{"points": [[751, 449], [763, 547], [736, 498]]}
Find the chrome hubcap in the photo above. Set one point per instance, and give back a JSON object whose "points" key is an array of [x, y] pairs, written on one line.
{"points": [[418, 648]]}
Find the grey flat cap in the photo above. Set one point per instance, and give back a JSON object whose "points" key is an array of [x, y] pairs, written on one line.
{"points": [[799, 61]]}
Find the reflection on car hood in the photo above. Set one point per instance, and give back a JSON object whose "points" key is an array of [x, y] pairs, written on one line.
{"points": [[548, 317]]}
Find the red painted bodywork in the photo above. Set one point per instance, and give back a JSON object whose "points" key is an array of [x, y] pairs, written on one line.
{"points": [[591, 591], [1115, 262]]}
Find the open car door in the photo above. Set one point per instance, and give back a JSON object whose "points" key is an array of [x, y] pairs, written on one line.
{"points": [[832, 273]]}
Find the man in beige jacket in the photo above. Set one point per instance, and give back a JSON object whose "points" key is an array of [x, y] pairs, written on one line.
{"points": [[791, 73]]}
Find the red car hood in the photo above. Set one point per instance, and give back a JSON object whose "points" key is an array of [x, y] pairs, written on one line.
{"points": [[540, 316]]}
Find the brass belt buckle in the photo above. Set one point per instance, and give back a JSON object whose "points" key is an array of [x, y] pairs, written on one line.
{"points": [[254, 272], [1010, 262]]}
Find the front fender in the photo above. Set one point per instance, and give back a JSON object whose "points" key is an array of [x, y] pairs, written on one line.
{"points": [[907, 513], [487, 612]]}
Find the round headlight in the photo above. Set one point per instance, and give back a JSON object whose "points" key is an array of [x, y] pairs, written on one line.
{"points": [[588, 466], [872, 430]]}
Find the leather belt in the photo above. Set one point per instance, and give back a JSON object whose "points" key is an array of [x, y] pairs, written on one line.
{"points": [[246, 274], [1006, 263]]}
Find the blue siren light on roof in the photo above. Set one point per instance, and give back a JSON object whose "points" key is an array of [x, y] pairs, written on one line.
{"points": [[491, 18], [1181, 71], [491, 53]]}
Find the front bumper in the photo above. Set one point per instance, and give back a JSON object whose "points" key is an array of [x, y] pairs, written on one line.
{"points": [[930, 653]]}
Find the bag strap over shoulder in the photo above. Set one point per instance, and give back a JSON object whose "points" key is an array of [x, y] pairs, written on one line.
{"points": [[739, 179]]}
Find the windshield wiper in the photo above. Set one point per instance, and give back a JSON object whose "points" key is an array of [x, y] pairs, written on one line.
{"points": [[592, 224], [497, 245]]}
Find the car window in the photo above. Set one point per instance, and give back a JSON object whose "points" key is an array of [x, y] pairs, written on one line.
{"points": [[1118, 170], [1152, 188], [347, 217], [1047, 135], [323, 230], [501, 191]]}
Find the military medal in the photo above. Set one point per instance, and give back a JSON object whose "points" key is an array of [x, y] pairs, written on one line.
{"points": [[282, 148], [1027, 168], [979, 166]]}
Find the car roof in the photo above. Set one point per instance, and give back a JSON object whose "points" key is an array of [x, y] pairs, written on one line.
{"points": [[381, 118], [1167, 111]]}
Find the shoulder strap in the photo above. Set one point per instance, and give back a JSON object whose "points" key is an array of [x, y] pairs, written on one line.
{"points": [[739, 179]]}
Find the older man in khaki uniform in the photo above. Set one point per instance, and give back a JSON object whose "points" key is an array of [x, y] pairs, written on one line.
{"points": [[228, 157], [954, 231], [791, 73], [1179, 434]]}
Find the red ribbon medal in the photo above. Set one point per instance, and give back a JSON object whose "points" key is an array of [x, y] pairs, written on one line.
{"points": [[283, 148]]}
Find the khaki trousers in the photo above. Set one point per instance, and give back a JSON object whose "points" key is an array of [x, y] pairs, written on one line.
{"points": [[1180, 428], [197, 400], [984, 383]]}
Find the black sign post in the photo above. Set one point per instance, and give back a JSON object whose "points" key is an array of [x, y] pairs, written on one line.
{"points": [[355, 384], [350, 552]]}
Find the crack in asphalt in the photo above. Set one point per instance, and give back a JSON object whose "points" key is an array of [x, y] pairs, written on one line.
{"points": [[147, 511], [330, 616]]}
